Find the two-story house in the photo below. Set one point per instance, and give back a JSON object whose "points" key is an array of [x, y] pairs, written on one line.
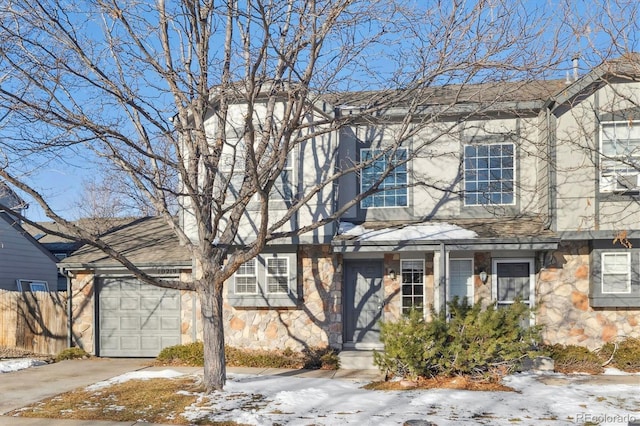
{"points": [[496, 192]]}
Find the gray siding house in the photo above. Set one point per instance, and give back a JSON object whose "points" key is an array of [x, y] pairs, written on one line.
{"points": [[24, 264]]}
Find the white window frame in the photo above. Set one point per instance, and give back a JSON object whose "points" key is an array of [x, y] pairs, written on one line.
{"points": [[237, 275], [471, 296], [381, 191], [424, 293], [32, 285], [513, 177], [609, 180], [532, 280], [602, 272], [285, 275]]}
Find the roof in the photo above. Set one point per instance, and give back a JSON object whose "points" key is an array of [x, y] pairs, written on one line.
{"points": [[58, 244], [9, 198], [145, 242], [626, 66], [489, 93]]}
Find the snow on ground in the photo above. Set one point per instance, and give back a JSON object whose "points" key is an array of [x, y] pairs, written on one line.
{"points": [[9, 365], [421, 232], [267, 400]]}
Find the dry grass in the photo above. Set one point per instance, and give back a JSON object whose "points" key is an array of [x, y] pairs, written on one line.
{"points": [[457, 382], [153, 400]]}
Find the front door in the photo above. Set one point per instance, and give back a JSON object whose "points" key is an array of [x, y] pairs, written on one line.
{"points": [[364, 300]]}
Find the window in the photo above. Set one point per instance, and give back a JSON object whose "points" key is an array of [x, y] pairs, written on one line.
{"points": [[461, 279], [267, 281], [393, 187], [513, 281], [277, 275], [412, 285], [489, 174], [246, 278], [619, 157], [33, 286], [616, 273]]}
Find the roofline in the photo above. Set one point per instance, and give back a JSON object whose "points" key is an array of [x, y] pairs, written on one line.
{"points": [[83, 266], [516, 243]]}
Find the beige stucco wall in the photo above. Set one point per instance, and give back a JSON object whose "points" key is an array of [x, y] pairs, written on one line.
{"points": [[577, 146]]}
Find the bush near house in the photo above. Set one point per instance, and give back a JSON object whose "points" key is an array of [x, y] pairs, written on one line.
{"points": [[192, 354], [623, 355], [479, 342]]}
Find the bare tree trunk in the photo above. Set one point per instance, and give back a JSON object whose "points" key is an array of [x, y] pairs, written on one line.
{"points": [[215, 374]]}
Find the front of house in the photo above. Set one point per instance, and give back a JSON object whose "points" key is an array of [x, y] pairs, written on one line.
{"points": [[533, 198]]}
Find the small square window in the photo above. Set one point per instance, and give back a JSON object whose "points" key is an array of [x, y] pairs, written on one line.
{"points": [[32, 286]]}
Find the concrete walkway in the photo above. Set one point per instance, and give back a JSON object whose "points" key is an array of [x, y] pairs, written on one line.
{"points": [[24, 387]]}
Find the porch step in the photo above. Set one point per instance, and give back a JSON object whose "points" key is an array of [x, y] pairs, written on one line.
{"points": [[354, 359]]}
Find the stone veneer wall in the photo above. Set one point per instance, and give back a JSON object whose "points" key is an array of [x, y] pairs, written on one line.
{"points": [[317, 321], [562, 291], [83, 311]]}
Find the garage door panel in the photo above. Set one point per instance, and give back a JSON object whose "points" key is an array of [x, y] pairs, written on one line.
{"points": [[151, 324], [129, 323], [150, 342], [170, 323], [110, 323], [137, 319]]}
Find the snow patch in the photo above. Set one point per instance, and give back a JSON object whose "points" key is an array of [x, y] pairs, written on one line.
{"points": [[421, 232], [9, 365]]}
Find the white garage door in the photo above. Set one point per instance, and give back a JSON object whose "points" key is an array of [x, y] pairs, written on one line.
{"points": [[136, 320]]}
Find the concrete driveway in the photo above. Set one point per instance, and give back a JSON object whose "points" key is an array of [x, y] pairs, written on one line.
{"points": [[30, 385]]}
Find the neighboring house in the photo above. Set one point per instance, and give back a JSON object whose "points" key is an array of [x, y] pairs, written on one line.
{"points": [[24, 264], [537, 198]]}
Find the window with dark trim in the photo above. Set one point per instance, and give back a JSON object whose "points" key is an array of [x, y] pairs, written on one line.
{"points": [[393, 187], [615, 276], [620, 156], [268, 280], [489, 174]]}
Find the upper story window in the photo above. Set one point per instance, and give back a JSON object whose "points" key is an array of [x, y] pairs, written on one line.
{"points": [[489, 173], [393, 183], [620, 157]]}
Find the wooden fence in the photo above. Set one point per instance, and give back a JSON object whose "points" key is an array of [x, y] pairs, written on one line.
{"points": [[35, 322]]}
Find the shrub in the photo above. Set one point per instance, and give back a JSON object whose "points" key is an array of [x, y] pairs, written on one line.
{"points": [[323, 358], [474, 342], [265, 359], [191, 354], [574, 359], [626, 356], [71, 353]]}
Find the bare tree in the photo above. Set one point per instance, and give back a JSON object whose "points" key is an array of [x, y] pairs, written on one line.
{"points": [[150, 88]]}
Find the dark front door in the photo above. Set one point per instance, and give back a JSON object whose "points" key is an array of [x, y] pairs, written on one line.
{"points": [[513, 282], [364, 300]]}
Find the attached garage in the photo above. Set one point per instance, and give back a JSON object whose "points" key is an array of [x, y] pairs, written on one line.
{"points": [[113, 314], [136, 320]]}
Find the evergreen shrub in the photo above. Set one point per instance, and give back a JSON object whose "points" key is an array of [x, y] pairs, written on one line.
{"points": [[475, 341], [626, 356]]}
